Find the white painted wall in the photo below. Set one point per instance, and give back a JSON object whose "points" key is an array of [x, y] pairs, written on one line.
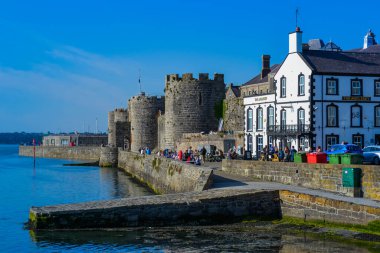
{"points": [[254, 102], [291, 69]]}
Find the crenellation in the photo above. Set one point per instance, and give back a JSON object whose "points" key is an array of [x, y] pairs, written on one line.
{"points": [[203, 76], [187, 76], [219, 77]]}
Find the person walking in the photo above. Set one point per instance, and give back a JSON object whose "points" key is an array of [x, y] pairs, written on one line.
{"points": [[293, 151], [203, 153]]}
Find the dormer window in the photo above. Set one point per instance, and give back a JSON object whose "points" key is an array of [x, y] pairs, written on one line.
{"points": [[356, 87], [283, 87]]}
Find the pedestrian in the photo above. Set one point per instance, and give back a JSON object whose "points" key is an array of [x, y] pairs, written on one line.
{"points": [[293, 151], [287, 154], [281, 155], [203, 153], [266, 152]]}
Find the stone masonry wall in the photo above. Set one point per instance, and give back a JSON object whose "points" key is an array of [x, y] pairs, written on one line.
{"points": [[220, 140], [78, 153], [119, 128], [143, 113], [193, 208], [165, 175], [309, 207], [199, 208], [161, 131], [315, 176], [108, 156], [190, 105], [233, 114]]}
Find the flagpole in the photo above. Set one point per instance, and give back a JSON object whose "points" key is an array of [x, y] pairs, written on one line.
{"points": [[140, 80]]}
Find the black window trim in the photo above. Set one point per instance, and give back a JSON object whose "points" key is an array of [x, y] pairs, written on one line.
{"points": [[257, 143], [327, 115], [249, 129], [331, 135], [281, 125], [274, 120], [336, 86], [298, 115], [282, 95], [304, 85], [249, 136], [361, 87], [358, 134], [374, 87], [257, 119], [361, 115], [374, 116]]}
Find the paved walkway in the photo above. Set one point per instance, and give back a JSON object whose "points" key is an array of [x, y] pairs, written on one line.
{"points": [[224, 180]]}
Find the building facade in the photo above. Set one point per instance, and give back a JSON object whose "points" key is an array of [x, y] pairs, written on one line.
{"points": [[65, 140], [321, 97]]}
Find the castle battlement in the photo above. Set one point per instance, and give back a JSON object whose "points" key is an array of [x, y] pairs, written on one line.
{"points": [[189, 76], [143, 97], [120, 110]]}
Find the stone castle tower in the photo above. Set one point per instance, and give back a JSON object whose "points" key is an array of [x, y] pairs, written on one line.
{"points": [[119, 129], [143, 113], [190, 105]]}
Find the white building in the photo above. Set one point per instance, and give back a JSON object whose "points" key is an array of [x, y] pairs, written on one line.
{"points": [[322, 97]]}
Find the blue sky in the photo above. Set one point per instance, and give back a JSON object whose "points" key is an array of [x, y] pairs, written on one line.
{"points": [[65, 63]]}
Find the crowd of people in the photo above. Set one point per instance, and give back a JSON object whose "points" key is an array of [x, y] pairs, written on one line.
{"points": [[274, 153], [196, 156], [199, 157]]}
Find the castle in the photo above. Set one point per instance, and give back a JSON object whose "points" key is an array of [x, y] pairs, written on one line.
{"points": [[190, 105]]}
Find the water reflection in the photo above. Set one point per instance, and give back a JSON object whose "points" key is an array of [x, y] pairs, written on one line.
{"points": [[231, 238], [120, 184]]}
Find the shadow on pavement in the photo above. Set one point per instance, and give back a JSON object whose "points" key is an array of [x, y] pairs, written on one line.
{"points": [[221, 182]]}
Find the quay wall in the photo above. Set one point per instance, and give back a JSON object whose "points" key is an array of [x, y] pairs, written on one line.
{"points": [[192, 208], [77, 152], [311, 207], [199, 208], [165, 175], [315, 176]]}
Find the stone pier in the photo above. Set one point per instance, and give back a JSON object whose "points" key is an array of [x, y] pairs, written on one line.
{"points": [[192, 208]]}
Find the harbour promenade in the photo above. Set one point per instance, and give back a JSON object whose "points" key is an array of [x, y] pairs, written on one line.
{"points": [[227, 198]]}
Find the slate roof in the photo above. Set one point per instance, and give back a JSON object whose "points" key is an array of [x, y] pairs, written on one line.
{"points": [[352, 63], [371, 49], [257, 79], [235, 89], [315, 44], [331, 46]]}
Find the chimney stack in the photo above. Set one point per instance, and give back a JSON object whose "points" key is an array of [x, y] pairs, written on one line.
{"points": [[265, 66], [369, 39], [295, 41]]}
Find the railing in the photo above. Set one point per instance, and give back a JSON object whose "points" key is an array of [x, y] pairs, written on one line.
{"points": [[289, 129]]}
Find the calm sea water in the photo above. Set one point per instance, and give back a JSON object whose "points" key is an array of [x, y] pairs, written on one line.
{"points": [[51, 183]]}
